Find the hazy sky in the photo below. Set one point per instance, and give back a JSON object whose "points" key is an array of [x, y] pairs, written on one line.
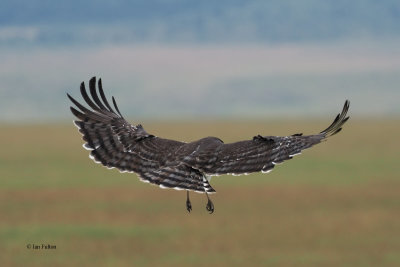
{"points": [[201, 58]]}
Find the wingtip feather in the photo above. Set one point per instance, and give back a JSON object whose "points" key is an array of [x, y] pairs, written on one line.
{"points": [[338, 122], [116, 107]]}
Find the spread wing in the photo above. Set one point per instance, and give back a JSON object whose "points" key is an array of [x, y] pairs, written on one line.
{"points": [[264, 152], [115, 143]]}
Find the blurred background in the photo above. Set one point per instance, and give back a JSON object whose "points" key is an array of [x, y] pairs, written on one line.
{"points": [[189, 69], [201, 58]]}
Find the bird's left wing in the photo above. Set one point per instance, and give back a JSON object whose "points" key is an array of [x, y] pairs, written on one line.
{"points": [[262, 153], [113, 141]]}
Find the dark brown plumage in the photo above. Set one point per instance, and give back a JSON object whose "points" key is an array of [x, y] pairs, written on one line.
{"points": [[115, 143]]}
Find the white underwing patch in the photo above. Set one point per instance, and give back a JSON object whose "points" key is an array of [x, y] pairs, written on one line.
{"points": [[92, 158], [267, 171], [87, 147]]}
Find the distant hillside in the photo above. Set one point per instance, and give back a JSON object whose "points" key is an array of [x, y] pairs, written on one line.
{"points": [[205, 81]]}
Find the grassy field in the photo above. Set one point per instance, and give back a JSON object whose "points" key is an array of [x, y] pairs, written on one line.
{"points": [[337, 204]]}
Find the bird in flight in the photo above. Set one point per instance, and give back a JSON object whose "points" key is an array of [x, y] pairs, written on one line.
{"points": [[115, 143]]}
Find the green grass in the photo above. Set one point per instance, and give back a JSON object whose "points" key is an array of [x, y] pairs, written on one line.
{"points": [[337, 204]]}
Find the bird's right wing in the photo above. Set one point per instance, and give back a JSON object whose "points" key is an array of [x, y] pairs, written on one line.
{"points": [[113, 141], [262, 153]]}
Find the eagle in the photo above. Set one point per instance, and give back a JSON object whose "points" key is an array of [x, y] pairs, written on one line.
{"points": [[115, 143]]}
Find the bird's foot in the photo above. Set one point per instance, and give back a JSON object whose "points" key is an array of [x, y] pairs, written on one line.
{"points": [[188, 206], [210, 206]]}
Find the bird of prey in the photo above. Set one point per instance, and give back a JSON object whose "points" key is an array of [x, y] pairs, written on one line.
{"points": [[115, 143]]}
